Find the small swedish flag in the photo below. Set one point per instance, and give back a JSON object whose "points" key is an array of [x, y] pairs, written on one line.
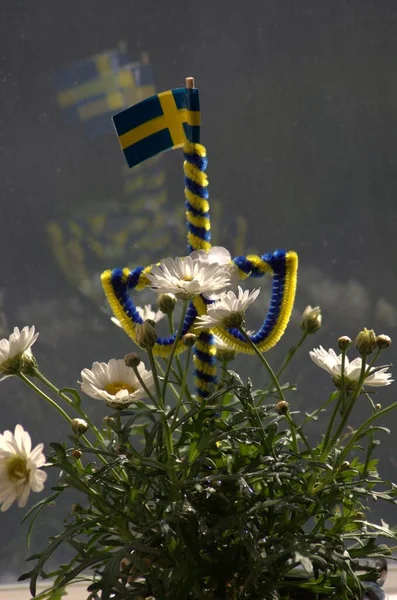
{"points": [[159, 123]]}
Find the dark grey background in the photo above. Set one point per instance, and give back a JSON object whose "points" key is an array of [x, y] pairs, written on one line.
{"points": [[299, 105]]}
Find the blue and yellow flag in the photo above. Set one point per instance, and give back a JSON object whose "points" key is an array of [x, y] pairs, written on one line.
{"points": [[94, 89], [159, 123]]}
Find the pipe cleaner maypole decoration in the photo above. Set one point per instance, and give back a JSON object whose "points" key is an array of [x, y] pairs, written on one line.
{"points": [[172, 120]]}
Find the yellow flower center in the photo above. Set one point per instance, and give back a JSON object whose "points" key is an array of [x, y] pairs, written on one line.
{"points": [[17, 469], [187, 278], [118, 386]]}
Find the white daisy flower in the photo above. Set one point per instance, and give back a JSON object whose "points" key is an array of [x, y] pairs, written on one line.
{"points": [[146, 313], [332, 363], [229, 310], [218, 255], [187, 277], [19, 468], [115, 383], [15, 349]]}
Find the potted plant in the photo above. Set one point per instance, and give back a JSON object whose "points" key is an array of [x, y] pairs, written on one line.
{"points": [[201, 483], [222, 497]]}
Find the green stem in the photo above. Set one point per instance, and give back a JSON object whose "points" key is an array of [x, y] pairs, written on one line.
{"points": [[355, 395], [292, 427], [370, 448], [163, 416], [155, 376], [290, 354], [145, 387], [224, 365], [264, 362], [43, 395], [276, 384], [183, 386], [325, 404], [70, 402], [303, 438], [171, 325], [330, 426], [173, 349], [339, 403], [60, 410], [350, 445], [170, 385], [170, 318], [342, 382], [372, 403], [361, 429]]}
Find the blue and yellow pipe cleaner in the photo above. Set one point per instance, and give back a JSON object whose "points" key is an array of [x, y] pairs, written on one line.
{"points": [[172, 120]]}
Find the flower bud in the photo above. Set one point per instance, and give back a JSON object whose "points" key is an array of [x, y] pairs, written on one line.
{"points": [[378, 406], [281, 407], [166, 303], [109, 422], [77, 508], [366, 341], [76, 453], [345, 465], [344, 343], [145, 335], [359, 515], [79, 426], [311, 319], [132, 359], [383, 341], [189, 339]]}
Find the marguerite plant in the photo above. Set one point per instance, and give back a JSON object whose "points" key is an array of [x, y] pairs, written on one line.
{"points": [[200, 484], [225, 497]]}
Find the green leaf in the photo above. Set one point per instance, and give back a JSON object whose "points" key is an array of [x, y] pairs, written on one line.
{"points": [[39, 504], [88, 562], [52, 594], [38, 507], [76, 398], [34, 573]]}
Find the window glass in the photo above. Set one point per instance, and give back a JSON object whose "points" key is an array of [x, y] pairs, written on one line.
{"points": [[298, 104]]}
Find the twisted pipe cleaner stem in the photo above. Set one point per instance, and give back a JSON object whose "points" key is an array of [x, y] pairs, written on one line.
{"points": [[198, 225], [196, 193]]}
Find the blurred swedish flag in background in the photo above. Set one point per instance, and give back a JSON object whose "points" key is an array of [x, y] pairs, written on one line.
{"points": [[159, 123], [140, 223], [93, 89]]}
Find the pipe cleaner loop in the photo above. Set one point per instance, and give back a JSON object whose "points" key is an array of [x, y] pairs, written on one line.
{"points": [[196, 194], [281, 265], [117, 285]]}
